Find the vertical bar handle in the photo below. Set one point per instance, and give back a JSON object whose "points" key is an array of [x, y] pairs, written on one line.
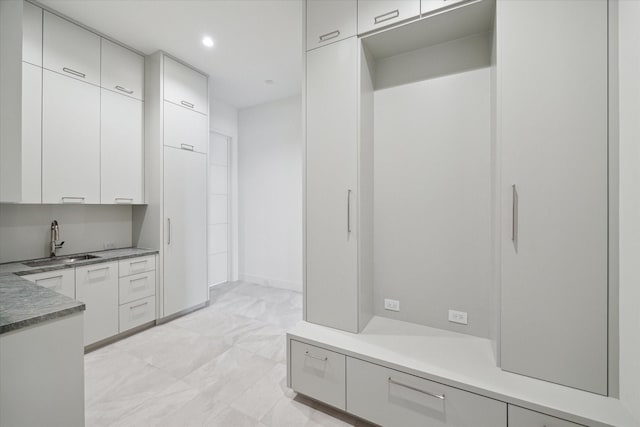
{"points": [[168, 231], [514, 214], [348, 211]]}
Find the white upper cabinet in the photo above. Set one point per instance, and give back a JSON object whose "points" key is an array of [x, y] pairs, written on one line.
{"points": [[121, 149], [185, 129], [31, 147], [70, 49], [70, 140], [330, 20], [376, 14], [185, 86], [32, 34], [430, 6], [122, 70]]}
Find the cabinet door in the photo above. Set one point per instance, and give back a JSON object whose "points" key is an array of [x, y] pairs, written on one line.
{"points": [[122, 70], [185, 86], [31, 34], [329, 21], [553, 124], [61, 281], [121, 149], [70, 49], [520, 417], [376, 14], [331, 177], [97, 287], [31, 133], [185, 243], [70, 140], [185, 128]]}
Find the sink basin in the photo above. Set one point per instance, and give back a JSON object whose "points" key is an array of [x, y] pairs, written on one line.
{"points": [[59, 260]]}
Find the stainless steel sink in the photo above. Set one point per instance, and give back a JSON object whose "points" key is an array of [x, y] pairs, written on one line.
{"points": [[59, 260]]}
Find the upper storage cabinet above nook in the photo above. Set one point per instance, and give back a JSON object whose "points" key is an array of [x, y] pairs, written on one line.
{"points": [[71, 50], [32, 34], [122, 70], [376, 14], [329, 21], [184, 86]]}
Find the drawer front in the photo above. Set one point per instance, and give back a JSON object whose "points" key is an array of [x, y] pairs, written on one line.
{"points": [[186, 87], [137, 313], [70, 50], [130, 266], [376, 14], [61, 281], [388, 397], [185, 129], [137, 286], [318, 373], [430, 6], [520, 417], [329, 21], [122, 70]]}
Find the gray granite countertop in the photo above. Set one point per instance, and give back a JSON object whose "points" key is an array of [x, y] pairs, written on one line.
{"points": [[23, 303]]}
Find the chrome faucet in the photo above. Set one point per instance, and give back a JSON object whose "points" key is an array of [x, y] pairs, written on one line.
{"points": [[55, 236]]}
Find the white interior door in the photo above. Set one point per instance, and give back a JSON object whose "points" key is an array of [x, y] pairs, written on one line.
{"points": [[219, 168]]}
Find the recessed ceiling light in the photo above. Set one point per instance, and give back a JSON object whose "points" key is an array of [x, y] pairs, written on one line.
{"points": [[207, 41], [269, 82]]}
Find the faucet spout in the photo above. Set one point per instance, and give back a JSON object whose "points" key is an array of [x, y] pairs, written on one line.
{"points": [[55, 236]]}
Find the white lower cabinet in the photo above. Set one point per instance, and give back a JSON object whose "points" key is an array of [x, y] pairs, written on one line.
{"points": [[137, 286], [61, 281], [392, 398], [318, 373], [137, 313], [520, 417], [97, 287]]}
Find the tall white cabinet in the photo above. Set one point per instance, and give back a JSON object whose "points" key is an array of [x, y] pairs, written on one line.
{"points": [[553, 127], [175, 221]]}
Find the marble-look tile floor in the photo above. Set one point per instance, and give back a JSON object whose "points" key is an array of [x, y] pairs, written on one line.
{"points": [[224, 365]]}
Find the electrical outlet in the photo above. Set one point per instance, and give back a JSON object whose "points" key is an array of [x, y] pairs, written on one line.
{"points": [[458, 317], [391, 304], [109, 245]]}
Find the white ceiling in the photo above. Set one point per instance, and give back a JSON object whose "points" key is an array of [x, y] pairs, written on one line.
{"points": [[255, 40]]}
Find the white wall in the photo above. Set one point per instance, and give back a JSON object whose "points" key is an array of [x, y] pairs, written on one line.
{"points": [[629, 70], [224, 120], [24, 229], [270, 193]]}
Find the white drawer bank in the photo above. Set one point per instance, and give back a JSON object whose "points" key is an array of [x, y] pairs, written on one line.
{"points": [[402, 374]]}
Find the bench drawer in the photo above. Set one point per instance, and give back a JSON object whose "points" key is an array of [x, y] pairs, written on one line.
{"points": [[389, 397], [520, 417], [130, 266], [318, 373]]}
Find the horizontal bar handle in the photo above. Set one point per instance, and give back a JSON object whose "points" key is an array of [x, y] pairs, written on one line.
{"points": [[187, 104], [187, 147], [74, 72], [49, 278], [124, 89], [322, 359], [124, 200], [329, 36], [69, 199], [144, 261], [139, 305], [437, 396], [97, 269], [386, 16]]}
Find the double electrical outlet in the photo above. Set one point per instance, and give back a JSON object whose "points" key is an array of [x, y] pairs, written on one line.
{"points": [[454, 315]]}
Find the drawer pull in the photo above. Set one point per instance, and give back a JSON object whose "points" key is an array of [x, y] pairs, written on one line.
{"points": [[69, 199], [124, 200], [144, 261], [97, 269], [74, 72], [386, 16], [124, 89], [187, 104], [437, 396], [329, 36], [187, 147], [57, 285], [322, 359], [139, 305]]}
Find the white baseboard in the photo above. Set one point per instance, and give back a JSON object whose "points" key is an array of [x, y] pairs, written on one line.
{"points": [[274, 283]]}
